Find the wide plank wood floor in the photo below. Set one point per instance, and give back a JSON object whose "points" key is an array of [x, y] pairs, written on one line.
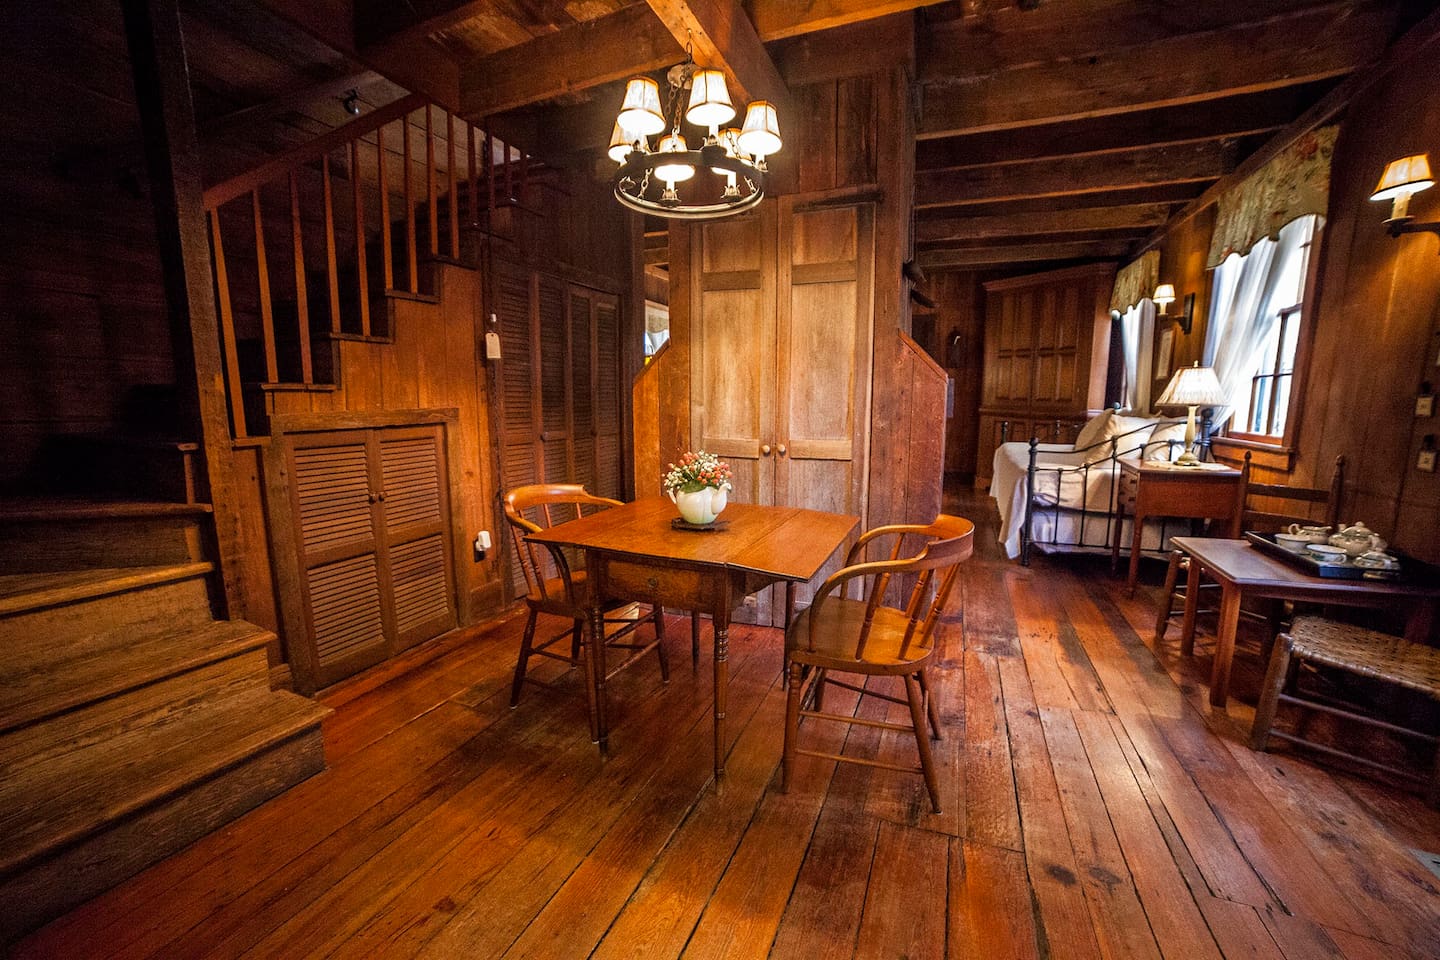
{"points": [[1095, 807]]}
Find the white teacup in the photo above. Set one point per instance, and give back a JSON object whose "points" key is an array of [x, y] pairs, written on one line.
{"points": [[1377, 560], [1326, 553], [1294, 542], [1312, 534]]}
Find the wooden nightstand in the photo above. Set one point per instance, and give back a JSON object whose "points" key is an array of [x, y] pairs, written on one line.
{"points": [[1208, 492]]}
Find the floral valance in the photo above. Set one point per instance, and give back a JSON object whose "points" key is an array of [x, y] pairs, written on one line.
{"points": [[1294, 184], [1136, 281]]}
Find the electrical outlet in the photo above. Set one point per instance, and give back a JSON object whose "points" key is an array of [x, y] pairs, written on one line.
{"points": [[1425, 406], [752, 601], [1426, 461]]}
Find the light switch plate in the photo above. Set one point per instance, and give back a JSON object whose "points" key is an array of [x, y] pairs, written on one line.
{"points": [[1425, 405], [1426, 461]]}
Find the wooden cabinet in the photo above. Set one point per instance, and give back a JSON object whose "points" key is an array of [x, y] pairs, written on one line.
{"points": [[1047, 340], [780, 362], [371, 526]]}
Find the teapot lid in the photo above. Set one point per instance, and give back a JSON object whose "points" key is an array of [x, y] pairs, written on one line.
{"points": [[1357, 528]]}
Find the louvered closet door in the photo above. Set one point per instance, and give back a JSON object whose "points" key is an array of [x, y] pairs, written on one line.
{"points": [[607, 395], [519, 418], [416, 556], [338, 515]]}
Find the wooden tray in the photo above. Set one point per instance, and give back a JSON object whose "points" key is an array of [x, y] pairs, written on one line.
{"points": [[680, 523], [1344, 570]]}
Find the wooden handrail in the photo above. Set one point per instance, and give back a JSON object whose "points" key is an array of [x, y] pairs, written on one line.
{"points": [[280, 165]]}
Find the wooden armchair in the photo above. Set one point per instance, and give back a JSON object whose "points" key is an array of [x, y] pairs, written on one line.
{"points": [[1268, 508], [555, 587], [864, 637]]}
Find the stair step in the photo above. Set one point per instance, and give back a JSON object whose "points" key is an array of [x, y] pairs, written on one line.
{"points": [[38, 682], [298, 387], [407, 295], [352, 337], [37, 509], [83, 821], [52, 534], [62, 608]]}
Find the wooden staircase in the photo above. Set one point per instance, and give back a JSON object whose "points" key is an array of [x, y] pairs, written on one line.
{"points": [[131, 721]]}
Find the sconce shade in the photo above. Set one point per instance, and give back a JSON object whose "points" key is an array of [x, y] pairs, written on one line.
{"points": [[1164, 295], [622, 141], [760, 136], [1195, 386], [641, 110], [674, 172], [709, 99], [729, 138], [1403, 177]]}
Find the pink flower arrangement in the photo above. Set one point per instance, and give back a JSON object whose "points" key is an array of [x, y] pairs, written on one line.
{"points": [[696, 471]]}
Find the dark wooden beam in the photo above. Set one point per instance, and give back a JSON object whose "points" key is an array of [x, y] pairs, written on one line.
{"points": [[856, 50], [1229, 118], [1117, 170], [418, 66], [589, 54], [1008, 36], [1421, 40], [1175, 195], [1280, 52], [723, 37], [999, 256], [1047, 222], [778, 19], [385, 21], [173, 161]]}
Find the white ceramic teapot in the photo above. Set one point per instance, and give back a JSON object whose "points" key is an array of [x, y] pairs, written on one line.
{"points": [[702, 506], [1357, 539], [1312, 534]]}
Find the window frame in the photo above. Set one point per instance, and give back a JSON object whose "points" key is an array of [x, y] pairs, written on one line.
{"points": [[1279, 452]]}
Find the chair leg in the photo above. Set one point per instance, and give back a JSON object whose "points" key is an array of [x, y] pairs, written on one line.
{"points": [[819, 699], [520, 664], [1270, 692], [932, 709], [1167, 596], [660, 645], [792, 725], [577, 637], [695, 639], [922, 742]]}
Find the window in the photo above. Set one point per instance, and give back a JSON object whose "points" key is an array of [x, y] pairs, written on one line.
{"points": [[1254, 334], [1137, 334]]}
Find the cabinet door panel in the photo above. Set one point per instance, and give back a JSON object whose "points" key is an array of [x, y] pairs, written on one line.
{"points": [[416, 562]]}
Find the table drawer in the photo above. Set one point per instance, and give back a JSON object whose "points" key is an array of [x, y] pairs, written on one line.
{"points": [[672, 586]]}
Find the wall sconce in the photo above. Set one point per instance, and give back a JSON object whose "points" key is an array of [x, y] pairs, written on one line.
{"points": [[1164, 296], [1401, 180]]}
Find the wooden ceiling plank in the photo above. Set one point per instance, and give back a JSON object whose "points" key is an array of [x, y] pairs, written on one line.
{"points": [[1171, 72], [1118, 170], [382, 21], [1024, 253], [723, 36], [1241, 116], [779, 19], [854, 50], [589, 54], [1043, 222]]}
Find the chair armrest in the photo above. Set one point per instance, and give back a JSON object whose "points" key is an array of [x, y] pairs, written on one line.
{"points": [[843, 576], [897, 530]]}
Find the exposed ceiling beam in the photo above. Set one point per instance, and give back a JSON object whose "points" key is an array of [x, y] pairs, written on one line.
{"points": [[723, 37], [855, 50], [378, 21], [1008, 36], [999, 226], [1279, 52], [586, 55], [1246, 115], [244, 118], [1174, 194], [1023, 253], [420, 67], [778, 19], [1423, 39], [1118, 170]]}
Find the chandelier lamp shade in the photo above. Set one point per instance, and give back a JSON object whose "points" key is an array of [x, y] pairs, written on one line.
{"points": [[724, 174]]}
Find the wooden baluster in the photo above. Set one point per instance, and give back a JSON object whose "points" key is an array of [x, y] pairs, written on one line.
{"points": [[454, 197], [474, 180], [524, 174], [489, 179], [414, 275], [227, 330], [386, 254], [332, 272], [509, 177], [302, 294], [362, 280], [262, 273], [431, 204]]}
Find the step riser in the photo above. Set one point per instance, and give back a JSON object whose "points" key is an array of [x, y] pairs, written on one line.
{"points": [[32, 546], [62, 882], [176, 602], [94, 724]]}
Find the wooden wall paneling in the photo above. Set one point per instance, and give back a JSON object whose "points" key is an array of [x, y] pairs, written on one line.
{"points": [[960, 339], [256, 563], [609, 410], [645, 415], [580, 374], [674, 386]]}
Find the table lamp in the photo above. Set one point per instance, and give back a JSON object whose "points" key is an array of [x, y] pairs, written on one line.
{"points": [[1192, 387]]}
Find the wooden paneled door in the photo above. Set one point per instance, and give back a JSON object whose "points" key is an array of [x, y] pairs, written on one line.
{"points": [[372, 513], [781, 356], [560, 405]]}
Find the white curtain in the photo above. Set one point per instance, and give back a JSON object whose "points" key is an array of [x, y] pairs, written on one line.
{"points": [[1249, 293], [1137, 336]]}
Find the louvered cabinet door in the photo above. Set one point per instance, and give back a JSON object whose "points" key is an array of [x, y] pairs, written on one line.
{"points": [[607, 411], [415, 555], [337, 512]]}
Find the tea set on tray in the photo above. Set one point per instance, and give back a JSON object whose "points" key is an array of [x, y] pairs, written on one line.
{"points": [[1357, 545]]}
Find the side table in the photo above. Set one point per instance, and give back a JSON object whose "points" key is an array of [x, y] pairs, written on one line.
{"points": [[1156, 489]]}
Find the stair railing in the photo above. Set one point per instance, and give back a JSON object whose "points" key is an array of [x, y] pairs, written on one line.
{"points": [[287, 167]]}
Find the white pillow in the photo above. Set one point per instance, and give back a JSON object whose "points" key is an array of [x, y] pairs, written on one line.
{"points": [[1131, 433], [1159, 448], [1094, 431]]}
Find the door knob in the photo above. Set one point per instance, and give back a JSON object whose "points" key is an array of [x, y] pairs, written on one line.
{"points": [[780, 449], [765, 449]]}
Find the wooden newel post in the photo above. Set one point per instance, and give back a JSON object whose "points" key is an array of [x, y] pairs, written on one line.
{"points": [[172, 159]]}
